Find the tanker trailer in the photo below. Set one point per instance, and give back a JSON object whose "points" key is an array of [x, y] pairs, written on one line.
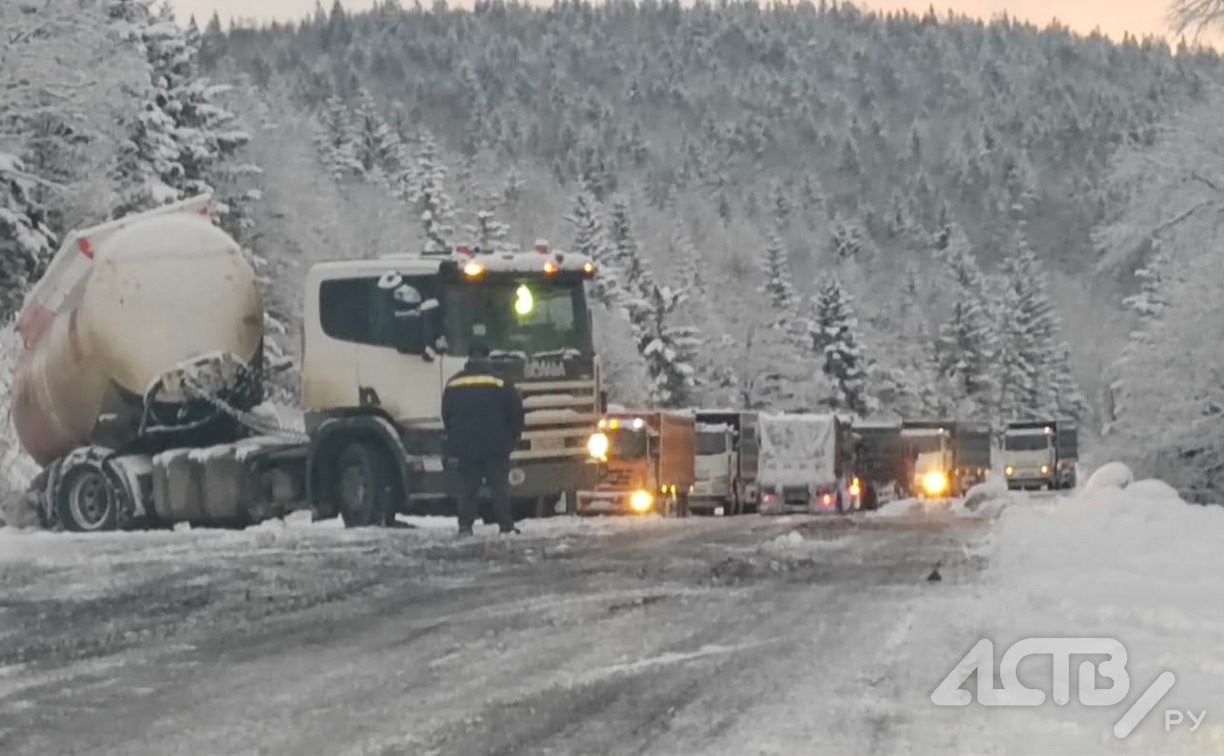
{"points": [[143, 338]]}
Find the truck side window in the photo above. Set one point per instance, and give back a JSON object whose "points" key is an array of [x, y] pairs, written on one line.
{"points": [[359, 310], [344, 308]]}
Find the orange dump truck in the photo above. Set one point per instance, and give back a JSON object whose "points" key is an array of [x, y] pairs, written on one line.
{"points": [[646, 464]]}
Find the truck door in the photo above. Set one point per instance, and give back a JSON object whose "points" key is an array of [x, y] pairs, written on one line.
{"points": [[395, 367]]}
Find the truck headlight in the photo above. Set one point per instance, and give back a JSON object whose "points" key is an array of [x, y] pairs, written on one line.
{"points": [[597, 445], [641, 501], [1045, 469], [934, 483], [1009, 471]]}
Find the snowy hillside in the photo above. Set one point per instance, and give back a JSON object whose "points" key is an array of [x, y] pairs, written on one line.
{"points": [[785, 148]]}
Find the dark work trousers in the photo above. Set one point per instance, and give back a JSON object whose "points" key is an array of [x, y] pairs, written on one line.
{"points": [[470, 474]]}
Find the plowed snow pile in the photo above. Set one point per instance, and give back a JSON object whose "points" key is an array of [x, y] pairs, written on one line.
{"points": [[1121, 560]]}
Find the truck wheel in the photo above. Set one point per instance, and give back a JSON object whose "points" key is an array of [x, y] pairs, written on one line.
{"points": [[86, 501], [365, 487]]}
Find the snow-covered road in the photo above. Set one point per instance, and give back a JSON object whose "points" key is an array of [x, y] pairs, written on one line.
{"points": [[736, 636], [732, 636]]}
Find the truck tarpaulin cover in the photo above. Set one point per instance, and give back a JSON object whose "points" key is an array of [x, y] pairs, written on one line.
{"points": [[797, 449]]}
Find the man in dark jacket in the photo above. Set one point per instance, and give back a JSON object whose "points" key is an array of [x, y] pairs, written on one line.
{"points": [[483, 417]]}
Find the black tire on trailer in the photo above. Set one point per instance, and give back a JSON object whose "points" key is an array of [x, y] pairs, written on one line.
{"points": [[366, 485], [86, 500]]}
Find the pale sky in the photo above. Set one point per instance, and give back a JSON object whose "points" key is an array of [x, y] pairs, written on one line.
{"points": [[1113, 17]]}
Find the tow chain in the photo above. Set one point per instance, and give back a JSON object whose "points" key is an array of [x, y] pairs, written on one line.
{"points": [[260, 425]]}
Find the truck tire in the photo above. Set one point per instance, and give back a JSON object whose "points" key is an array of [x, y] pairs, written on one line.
{"points": [[86, 501], [365, 486]]}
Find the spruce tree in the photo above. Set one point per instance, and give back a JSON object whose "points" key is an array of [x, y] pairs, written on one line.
{"points": [[780, 206], [336, 137], [778, 347], [591, 240], [1017, 374], [777, 287], [627, 260], [669, 349], [1031, 335], [429, 198], [376, 146], [835, 341], [965, 349], [488, 233]]}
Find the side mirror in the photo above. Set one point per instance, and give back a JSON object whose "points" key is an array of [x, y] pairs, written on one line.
{"points": [[603, 402]]}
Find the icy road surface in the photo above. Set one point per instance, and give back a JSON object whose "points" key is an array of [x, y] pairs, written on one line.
{"points": [[717, 636]]}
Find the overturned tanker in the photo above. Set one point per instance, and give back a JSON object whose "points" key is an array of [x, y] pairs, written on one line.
{"points": [[120, 308], [139, 336]]}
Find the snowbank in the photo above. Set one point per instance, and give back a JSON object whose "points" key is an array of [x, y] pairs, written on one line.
{"points": [[1111, 475], [896, 508], [1136, 564], [990, 497]]}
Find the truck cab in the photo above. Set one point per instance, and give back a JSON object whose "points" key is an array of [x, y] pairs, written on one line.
{"points": [[381, 338], [646, 461], [945, 458], [715, 468]]}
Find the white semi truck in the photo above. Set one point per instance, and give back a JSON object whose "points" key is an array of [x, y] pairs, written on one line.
{"points": [[806, 464], [142, 366]]}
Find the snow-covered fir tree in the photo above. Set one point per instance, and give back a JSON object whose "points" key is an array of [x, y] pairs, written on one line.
{"points": [[966, 345], [376, 147], [669, 350], [488, 233], [834, 334], [590, 239], [781, 359], [429, 197], [336, 136], [1033, 383]]}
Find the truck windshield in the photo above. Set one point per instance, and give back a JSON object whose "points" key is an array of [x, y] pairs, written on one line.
{"points": [[527, 315], [711, 443], [627, 444], [1027, 442]]}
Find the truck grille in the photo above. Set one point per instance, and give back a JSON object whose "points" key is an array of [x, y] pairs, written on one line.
{"points": [[618, 479], [559, 417]]}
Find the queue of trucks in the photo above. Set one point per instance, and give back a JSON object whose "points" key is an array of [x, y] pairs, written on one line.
{"points": [[140, 387]]}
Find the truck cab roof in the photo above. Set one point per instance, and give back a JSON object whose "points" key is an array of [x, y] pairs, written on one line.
{"points": [[457, 264]]}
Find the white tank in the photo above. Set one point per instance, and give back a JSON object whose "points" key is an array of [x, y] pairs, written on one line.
{"points": [[155, 290]]}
